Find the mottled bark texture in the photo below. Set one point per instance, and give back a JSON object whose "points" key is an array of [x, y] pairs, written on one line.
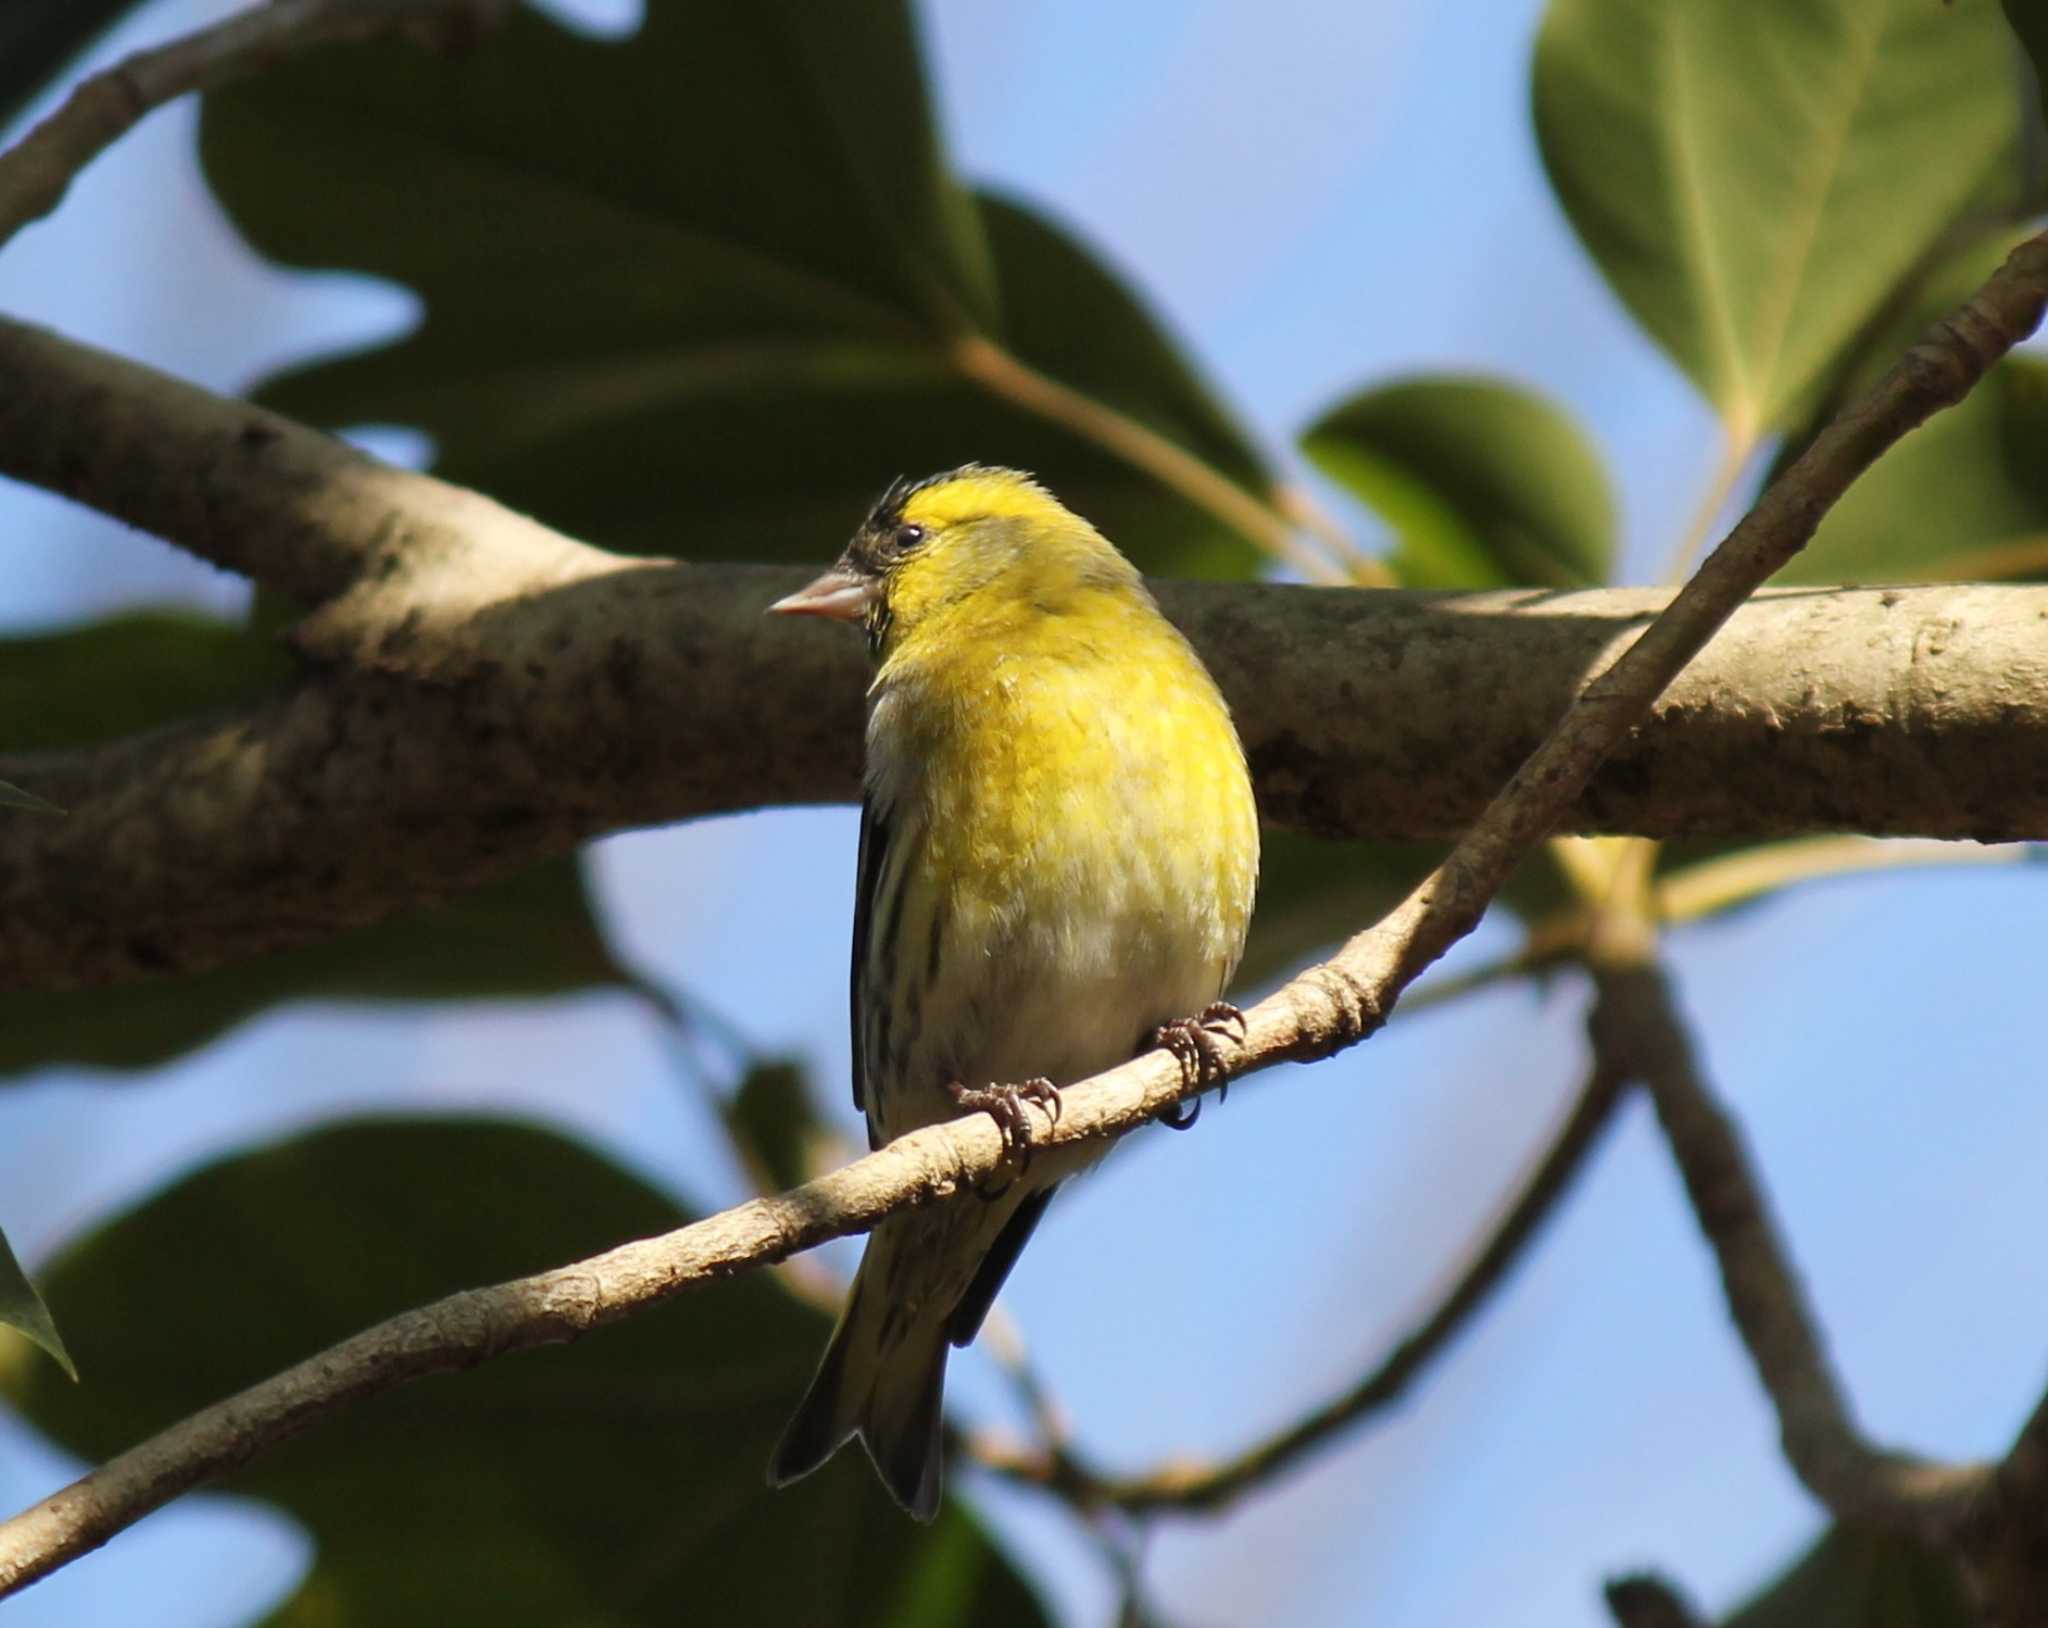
{"points": [[479, 691]]}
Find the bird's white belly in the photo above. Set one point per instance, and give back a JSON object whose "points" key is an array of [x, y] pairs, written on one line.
{"points": [[1059, 1001]]}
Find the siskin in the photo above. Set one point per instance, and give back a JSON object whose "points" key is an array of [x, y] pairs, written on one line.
{"points": [[1058, 852]]}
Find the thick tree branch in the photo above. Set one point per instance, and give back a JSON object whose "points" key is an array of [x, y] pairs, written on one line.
{"points": [[38, 170], [1320, 1012], [482, 692]]}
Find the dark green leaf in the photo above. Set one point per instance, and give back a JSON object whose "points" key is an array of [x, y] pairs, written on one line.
{"points": [[1755, 177], [1484, 484], [128, 674], [1855, 1578], [696, 292], [1965, 494], [2029, 19], [530, 935], [39, 39], [616, 1480], [1314, 893], [1962, 496], [773, 1119], [22, 1309]]}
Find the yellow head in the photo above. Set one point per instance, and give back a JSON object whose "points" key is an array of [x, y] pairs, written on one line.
{"points": [[968, 546]]}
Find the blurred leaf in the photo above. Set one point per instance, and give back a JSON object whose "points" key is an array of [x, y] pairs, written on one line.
{"points": [[1962, 496], [128, 674], [1966, 493], [21, 1308], [1755, 177], [2029, 20], [773, 1119], [39, 39], [617, 1480], [694, 292], [527, 936], [1314, 893], [1854, 1578], [1485, 484]]}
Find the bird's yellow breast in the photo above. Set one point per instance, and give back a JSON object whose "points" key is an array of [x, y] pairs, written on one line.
{"points": [[1080, 790]]}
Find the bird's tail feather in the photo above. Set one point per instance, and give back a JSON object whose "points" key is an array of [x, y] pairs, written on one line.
{"points": [[893, 1400]]}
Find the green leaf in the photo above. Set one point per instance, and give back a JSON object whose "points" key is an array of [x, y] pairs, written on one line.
{"points": [[1960, 497], [1485, 484], [528, 936], [664, 319], [1755, 177], [1963, 495], [128, 674], [1857, 1578], [773, 1120], [2029, 21], [22, 1309], [1314, 893], [614, 1481], [39, 39]]}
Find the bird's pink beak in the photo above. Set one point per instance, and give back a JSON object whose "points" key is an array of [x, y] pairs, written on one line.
{"points": [[838, 594]]}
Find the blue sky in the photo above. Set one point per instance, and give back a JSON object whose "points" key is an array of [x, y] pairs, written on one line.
{"points": [[1319, 195]]}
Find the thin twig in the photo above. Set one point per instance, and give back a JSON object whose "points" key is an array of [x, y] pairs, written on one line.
{"points": [[1713, 885], [1209, 1486], [1360, 569], [1635, 1022], [1172, 465], [39, 169], [1736, 452], [1322, 1011]]}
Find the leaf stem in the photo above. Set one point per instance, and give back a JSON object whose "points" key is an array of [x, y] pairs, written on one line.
{"points": [[995, 370]]}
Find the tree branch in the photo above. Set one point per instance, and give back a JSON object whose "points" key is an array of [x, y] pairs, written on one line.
{"points": [[1324, 1010], [1636, 1023], [1211, 1486], [482, 692], [1992, 1520], [39, 169]]}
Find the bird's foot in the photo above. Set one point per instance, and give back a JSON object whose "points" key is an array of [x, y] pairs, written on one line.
{"points": [[1193, 1042], [1006, 1105]]}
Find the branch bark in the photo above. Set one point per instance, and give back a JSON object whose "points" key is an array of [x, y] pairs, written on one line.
{"points": [[1324, 1010], [38, 170], [481, 692]]}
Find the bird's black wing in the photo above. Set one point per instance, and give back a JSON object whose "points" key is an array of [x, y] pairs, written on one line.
{"points": [[874, 852]]}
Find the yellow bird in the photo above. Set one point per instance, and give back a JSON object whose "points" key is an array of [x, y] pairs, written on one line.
{"points": [[1058, 852]]}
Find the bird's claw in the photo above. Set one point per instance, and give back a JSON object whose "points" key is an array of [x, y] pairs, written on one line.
{"points": [[1005, 1104], [1193, 1042]]}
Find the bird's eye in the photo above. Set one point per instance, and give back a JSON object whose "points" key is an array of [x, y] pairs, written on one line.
{"points": [[907, 538]]}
